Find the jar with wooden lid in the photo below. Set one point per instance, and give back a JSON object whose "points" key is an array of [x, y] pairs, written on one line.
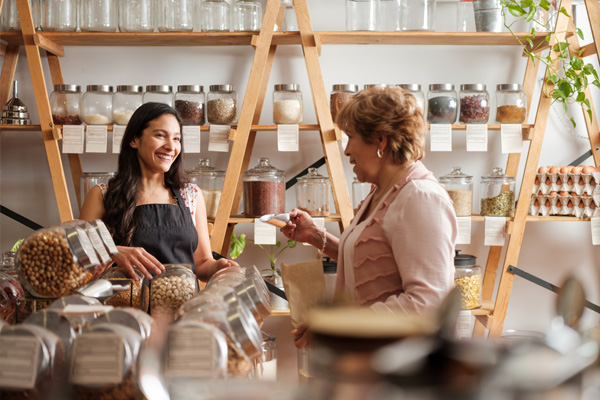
{"points": [[460, 189], [97, 105], [312, 193], [287, 104], [468, 278], [511, 104], [341, 94], [65, 103], [264, 190]]}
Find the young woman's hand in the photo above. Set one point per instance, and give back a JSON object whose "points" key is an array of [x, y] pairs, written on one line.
{"points": [[130, 257]]}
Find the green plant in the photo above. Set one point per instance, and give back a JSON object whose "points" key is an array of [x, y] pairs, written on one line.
{"points": [[17, 245], [568, 76], [238, 244]]}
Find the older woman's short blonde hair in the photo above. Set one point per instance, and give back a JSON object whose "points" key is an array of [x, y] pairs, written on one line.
{"points": [[390, 112]]}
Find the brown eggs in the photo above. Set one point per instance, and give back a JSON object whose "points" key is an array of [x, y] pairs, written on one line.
{"points": [[553, 170], [543, 170], [565, 170], [576, 170], [536, 203], [587, 170]]}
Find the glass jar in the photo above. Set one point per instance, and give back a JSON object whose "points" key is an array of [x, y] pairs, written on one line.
{"points": [[132, 318], [54, 261], [176, 15], [442, 104], [497, 194], [58, 15], [266, 368], [189, 103], [159, 94], [511, 104], [125, 101], [91, 179], [341, 94], [247, 15], [131, 297], [165, 293], [474, 104], [287, 104], [53, 321], [12, 305], [360, 190], [210, 181], [465, 16], [99, 15], [9, 17], [221, 105], [137, 16], [388, 18], [460, 189], [264, 190], [97, 105], [415, 90], [362, 15], [65, 103], [468, 278], [312, 193], [215, 16], [417, 15]]}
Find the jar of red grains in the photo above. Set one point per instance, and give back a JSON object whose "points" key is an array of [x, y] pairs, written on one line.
{"points": [[474, 104], [264, 190], [65, 103], [189, 103]]}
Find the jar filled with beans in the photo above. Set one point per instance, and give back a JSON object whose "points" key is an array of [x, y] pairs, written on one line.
{"points": [[165, 293], [264, 190], [131, 297]]}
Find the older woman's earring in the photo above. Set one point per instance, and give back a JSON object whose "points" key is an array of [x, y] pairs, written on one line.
{"points": [[379, 154]]}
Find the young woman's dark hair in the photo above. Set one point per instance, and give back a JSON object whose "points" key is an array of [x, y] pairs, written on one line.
{"points": [[121, 197]]}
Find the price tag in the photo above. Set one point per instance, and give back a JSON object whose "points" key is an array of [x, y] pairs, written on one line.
{"points": [[512, 138], [465, 324], [73, 139], [19, 358], [464, 230], [477, 137], [118, 132], [96, 138], [319, 222], [97, 359], [191, 352], [98, 245], [218, 138], [440, 136], [191, 139], [494, 231], [287, 137], [264, 233], [595, 222]]}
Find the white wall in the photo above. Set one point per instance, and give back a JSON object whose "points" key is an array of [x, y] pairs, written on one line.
{"points": [[550, 250]]}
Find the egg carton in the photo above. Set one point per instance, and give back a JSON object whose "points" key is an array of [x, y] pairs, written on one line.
{"points": [[565, 204], [580, 183]]}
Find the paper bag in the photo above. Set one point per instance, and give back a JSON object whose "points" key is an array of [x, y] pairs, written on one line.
{"points": [[304, 285]]}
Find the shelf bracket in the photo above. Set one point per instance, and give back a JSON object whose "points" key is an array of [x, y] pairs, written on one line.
{"points": [[50, 46]]}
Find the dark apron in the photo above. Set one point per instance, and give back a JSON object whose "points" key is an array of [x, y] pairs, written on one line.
{"points": [[166, 231]]}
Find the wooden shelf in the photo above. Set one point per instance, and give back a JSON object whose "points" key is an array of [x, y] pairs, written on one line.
{"points": [[240, 219], [20, 128], [531, 218], [486, 308], [280, 313]]}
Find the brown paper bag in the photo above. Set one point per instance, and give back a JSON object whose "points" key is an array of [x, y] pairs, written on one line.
{"points": [[304, 285]]}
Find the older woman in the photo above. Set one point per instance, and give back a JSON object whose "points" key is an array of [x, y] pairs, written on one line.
{"points": [[397, 254]]}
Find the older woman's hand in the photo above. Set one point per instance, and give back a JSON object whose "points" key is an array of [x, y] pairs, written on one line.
{"points": [[301, 227]]}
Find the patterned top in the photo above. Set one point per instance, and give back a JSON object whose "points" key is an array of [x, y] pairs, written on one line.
{"points": [[189, 193]]}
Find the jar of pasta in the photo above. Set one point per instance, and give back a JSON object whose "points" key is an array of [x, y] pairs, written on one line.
{"points": [[468, 279]]}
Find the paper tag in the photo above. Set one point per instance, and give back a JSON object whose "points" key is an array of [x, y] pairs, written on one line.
{"points": [[191, 139], [494, 231], [19, 358], [191, 353], [287, 137], [218, 138], [440, 136], [73, 139], [464, 230], [96, 138], [78, 309], [97, 359], [595, 230], [477, 137], [319, 222], [512, 138], [465, 323], [118, 132], [98, 245], [264, 233]]}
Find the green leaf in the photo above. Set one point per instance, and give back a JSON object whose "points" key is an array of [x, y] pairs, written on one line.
{"points": [[237, 245], [564, 11], [278, 244], [291, 243], [579, 33], [545, 5], [529, 41], [580, 97], [553, 78], [573, 122], [16, 246], [576, 63], [560, 46]]}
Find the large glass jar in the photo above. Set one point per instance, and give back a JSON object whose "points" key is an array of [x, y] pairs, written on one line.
{"points": [[176, 15], [468, 278], [221, 105], [264, 190], [442, 104], [125, 101], [91, 179], [215, 16], [497, 194], [415, 90], [362, 15], [360, 190], [312, 193], [99, 15], [210, 181], [159, 94], [65, 103], [137, 16], [247, 15], [165, 293], [97, 105], [460, 189], [341, 94], [417, 15], [9, 17], [474, 104], [189, 103], [287, 104], [511, 104], [58, 15], [131, 297], [12, 305]]}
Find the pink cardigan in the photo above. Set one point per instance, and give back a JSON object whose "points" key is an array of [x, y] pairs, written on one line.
{"points": [[409, 265]]}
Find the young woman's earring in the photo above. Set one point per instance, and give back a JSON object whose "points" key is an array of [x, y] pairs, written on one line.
{"points": [[379, 154]]}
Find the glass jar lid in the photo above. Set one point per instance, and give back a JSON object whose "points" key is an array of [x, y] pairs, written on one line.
{"points": [[497, 176], [204, 168], [346, 87], [222, 88], [67, 88], [312, 176], [100, 88], [263, 168], [456, 175], [508, 86], [82, 247], [473, 87], [464, 260], [159, 88], [190, 88], [411, 87], [441, 86], [130, 88], [287, 87], [98, 174]]}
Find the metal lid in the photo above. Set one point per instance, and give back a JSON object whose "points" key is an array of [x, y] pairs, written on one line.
{"points": [[411, 87], [473, 87], [82, 247], [99, 88], [375, 85], [508, 86], [222, 88], [464, 260], [441, 86], [287, 87], [498, 175], [15, 114], [14, 108], [130, 88], [313, 176], [67, 88], [11, 121], [346, 87], [263, 167], [456, 175], [159, 89], [106, 237], [190, 88]]}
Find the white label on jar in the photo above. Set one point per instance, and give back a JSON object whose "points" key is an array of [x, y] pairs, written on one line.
{"points": [[264, 233], [191, 138], [97, 359], [477, 137], [19, 358], [512, 138], [494, 231], [72, 139], [464, 230], [98, 244], [218, 138], [96, 138], [191, 352], [287, 137], [118, 132], [595, 222], [440, 136]]}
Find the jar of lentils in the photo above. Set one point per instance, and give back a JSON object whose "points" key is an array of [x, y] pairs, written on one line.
{"points": [[287, 104], [264, 190], [221, 105], [341, 94], [126, 100], [442, 104], [97, 105], [189, 103], [415, 90], [65, 103], [511, 104], [474, 104], [159, 94]]}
